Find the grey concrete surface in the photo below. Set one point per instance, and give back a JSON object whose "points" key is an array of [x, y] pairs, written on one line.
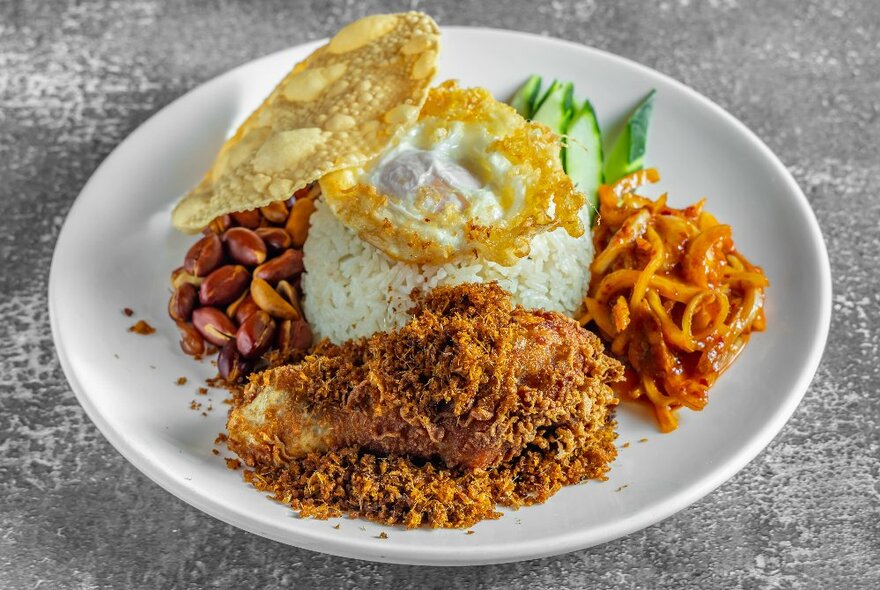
{"points": [[77, 76]]}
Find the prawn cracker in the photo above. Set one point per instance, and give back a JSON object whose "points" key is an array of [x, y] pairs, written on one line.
{"points": [[336, 109]]}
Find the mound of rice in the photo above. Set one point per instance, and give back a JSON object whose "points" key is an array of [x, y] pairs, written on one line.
{"points": [[353, 289]]}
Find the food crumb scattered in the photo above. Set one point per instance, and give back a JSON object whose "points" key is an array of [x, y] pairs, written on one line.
{"points": [[382, 536], [142, 328], [469, 532], [624, 445], [221, 438], [203, 391], [205, 414], [218, 382], [128, 311], [215, 451], [233, 463], [336, 526], [626, 485], [194, 405], [181, 381], [643, 440]]}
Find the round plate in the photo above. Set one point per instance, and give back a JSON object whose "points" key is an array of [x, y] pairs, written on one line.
{"points": [[117, 248]]}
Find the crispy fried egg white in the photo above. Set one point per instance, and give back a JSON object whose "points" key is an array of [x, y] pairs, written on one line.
{"points": [[470, 177]]}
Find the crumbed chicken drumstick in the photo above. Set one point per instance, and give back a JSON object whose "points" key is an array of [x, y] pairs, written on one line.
{"points": [[470, 380]]}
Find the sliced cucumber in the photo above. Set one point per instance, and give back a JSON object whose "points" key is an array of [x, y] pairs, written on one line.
{"points": [[555, 107], [525, 98], [628, 152], [583, 154]]}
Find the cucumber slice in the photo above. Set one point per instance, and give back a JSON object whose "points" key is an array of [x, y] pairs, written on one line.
{"points": [[583, 155], [555, 107], [627, 154], [542, 98], [525, 98]]}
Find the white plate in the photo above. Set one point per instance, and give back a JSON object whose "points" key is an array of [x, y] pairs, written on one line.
{"points": [[117, 248]]}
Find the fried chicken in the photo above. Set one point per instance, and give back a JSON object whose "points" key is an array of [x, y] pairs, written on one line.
{"points": [[470, 381]]}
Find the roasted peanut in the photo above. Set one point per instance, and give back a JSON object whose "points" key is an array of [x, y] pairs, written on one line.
{"points": [[255, 334], [230, 364], [182, 302], [249, 219], [280, 267], [245, 246], [191, 341], [213, 325], [218, 225], [284, 338], [300, 194], [246, 308], [270, 301], [291, 294], [275, 212], [302, 334], [180, 276], [298, 221], [224, 285], [233, 307], [293, 335], [204, 256], [276, 238]]}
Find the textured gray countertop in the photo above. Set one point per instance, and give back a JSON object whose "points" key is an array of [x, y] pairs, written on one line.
{"points": [[76, 77]]}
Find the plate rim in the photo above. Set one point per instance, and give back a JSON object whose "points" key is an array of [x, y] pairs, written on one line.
{"points": [[523, 550]]}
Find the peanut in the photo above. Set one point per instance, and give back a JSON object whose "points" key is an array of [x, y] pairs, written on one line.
{"points": [[249, 219], [180, 276], [224, 285], [270, 301], [213, 325], [191, 341], [204, 256], [298, 221], [245, 246], [281, 267], [293, 335], [299, 194], [182, 302], [233, 307], [276, 238], [255, 334], [290, 293], [230, 365], [246, 308], [218, 225], [275, 212]]}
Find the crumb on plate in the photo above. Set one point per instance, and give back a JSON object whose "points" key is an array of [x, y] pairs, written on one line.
{"points": [[142, 328]]}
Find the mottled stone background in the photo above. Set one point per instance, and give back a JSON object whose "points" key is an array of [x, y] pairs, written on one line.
{"points": [[77, 76]]}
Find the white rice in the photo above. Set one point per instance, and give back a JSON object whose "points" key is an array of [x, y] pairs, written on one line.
{"points": [[352, 289]]}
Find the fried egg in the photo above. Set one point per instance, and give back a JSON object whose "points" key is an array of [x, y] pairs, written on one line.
{"points": [[470, 177]]}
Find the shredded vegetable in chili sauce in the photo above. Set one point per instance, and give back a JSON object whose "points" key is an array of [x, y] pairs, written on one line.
{"points": [[671, 295]]}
